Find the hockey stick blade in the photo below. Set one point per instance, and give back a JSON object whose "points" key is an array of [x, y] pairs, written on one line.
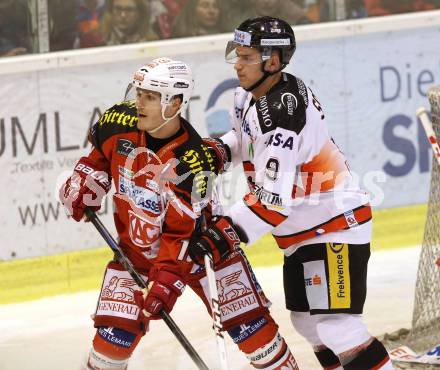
{"points": [[122, 258]]}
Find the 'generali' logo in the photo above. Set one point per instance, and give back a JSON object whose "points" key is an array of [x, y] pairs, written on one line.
{"points": [[235, 291], [119, 289], [230, 288]]}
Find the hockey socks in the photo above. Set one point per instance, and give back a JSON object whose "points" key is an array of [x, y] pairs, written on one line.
{"points": [[97, 361], [328, 360], [112, 348], [374, 357], [275, 355]]}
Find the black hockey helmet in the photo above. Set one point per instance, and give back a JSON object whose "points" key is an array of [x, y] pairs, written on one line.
{"points": [[265, 34]]}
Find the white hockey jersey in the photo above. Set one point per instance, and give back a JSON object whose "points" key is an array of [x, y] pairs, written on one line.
{"points": [[301, 188]]}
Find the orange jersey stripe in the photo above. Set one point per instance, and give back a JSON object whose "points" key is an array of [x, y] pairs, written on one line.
{"points": [[343, 221], [267, 215]]}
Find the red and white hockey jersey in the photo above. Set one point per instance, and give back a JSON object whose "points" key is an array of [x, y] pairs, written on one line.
{"points": [[159, 196], [301, 188]]}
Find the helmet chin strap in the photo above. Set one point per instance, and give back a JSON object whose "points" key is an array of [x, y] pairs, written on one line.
{"points": [[259, 82], [164, 106], [263, 78]]}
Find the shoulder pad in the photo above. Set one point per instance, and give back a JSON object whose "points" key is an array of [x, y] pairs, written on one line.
{"points": [[284, 107], [197, 169], [120, 118]]}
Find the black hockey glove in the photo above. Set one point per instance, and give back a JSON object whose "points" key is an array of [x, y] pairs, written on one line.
{"points": [[218, 240]]}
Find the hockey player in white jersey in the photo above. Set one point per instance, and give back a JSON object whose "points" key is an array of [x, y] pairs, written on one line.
{"points": [[302, 191]]}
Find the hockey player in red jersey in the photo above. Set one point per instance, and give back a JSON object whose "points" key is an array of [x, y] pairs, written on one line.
{"points": [[300, 190], [163, 174]]}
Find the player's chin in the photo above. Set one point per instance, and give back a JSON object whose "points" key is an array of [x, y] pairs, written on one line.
{"points": [[242, 82], [143, 124]]}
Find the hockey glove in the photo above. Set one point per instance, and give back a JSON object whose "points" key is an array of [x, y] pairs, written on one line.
{"points": [[162, 293], [220, 151], [218, 240], [85, 188]]}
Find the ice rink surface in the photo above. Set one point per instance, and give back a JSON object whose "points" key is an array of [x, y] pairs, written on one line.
{"points": [[55, 333]]}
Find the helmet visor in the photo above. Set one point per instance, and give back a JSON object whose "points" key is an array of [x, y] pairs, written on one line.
{"points": [[130, 93], [237, 53]]}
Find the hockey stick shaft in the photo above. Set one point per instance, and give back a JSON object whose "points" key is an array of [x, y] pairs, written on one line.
{"points": [[141, 283], [423, 116], [215, 301]]}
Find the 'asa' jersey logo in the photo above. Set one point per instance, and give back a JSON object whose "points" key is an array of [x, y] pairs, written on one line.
{"points": [[278, 139]]}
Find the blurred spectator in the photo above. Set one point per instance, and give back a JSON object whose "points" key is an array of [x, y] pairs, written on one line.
{"points": [[289, 10], [199, 17], [89, 16], [387, 7], [126, 21], [355, 9], [318, 11], [15, 29], [163, 14], [62, 24], [234, 12]]}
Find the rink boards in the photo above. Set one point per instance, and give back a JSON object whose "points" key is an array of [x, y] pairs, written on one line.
{"points": [[78, 271]]}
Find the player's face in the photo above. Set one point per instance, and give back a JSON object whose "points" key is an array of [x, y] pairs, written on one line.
{"points": [[248, 65], [149, 109]]}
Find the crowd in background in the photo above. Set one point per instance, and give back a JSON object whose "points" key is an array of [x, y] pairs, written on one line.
{"points": [[90, 23]]}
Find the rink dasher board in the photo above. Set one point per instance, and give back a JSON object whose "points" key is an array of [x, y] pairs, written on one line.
{"points": [[52, 99]]}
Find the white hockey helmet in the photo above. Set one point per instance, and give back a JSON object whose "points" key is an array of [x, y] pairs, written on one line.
{"points": [[168, 77]]}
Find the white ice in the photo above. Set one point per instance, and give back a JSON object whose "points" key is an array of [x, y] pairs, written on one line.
{"points": [[55, 333]]}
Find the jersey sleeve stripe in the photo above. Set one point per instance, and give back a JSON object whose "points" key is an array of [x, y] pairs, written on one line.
{"points": [[267, 215]]}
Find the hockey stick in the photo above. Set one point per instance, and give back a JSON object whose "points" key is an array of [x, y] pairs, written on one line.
{"points": [[422, 114], [215, 304], [216, 315], [122, 258]]}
